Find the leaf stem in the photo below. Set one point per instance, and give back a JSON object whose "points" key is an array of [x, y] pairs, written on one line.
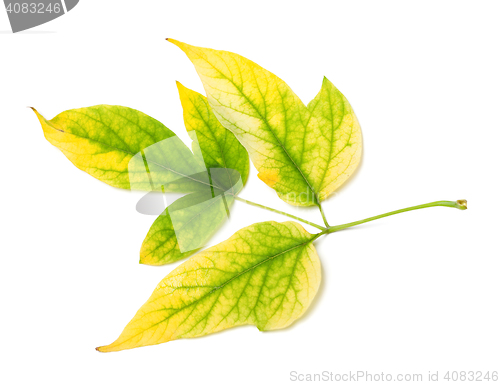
{"points": [[279, 212], [460, 204], [323, 215]]}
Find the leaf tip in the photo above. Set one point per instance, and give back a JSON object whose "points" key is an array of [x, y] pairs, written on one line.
{"points": [[327, 83], [106, 349], [180, 86], [182, 46], [38, 115]]}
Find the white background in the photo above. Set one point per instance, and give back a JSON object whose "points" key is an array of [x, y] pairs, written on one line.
{"points": [[412, 293]]}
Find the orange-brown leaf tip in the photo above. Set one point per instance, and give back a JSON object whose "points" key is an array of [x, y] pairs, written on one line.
{"points": [[175, 42], [40, 117]]}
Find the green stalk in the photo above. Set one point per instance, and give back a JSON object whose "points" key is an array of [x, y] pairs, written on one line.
{"points": [[323, 215], [460, 204], [279, 212]]}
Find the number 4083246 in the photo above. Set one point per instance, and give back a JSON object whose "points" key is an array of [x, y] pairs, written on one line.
{"points": [[33, 8], [471, 376]]}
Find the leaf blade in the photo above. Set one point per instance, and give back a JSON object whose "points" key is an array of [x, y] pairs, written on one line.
{"points": [[101, 140], [340, 136], [184, 227], [219, 146]]}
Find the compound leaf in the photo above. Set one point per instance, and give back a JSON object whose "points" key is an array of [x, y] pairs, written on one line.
{"points": [[264, 275], [304, 153]]}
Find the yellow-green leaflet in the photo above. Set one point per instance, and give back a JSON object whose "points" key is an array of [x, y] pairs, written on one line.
{"points": [[101, 140], [304, 153], [265, 275]]}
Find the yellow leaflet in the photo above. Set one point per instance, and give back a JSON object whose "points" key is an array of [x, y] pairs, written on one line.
{"points": [[265, 275]]}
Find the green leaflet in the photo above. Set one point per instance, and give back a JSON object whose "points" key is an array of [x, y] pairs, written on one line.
{"points": [[304, 153], [188, 223], [219, 147], [264, 275]]}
